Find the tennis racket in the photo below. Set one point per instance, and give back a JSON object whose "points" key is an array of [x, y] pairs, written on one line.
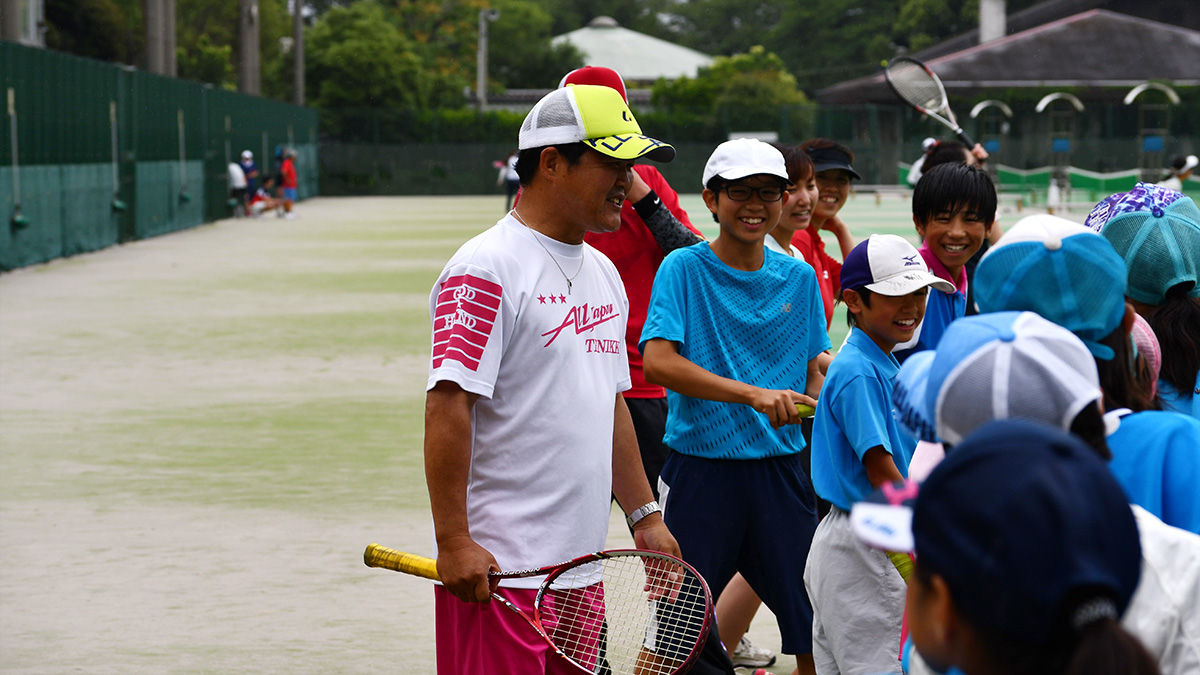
{"points": [[920, 87], [624, 612]]}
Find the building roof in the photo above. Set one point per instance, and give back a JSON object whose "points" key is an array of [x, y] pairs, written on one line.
{"points": [[1182, 13], [1096, 48], [636, 56]]}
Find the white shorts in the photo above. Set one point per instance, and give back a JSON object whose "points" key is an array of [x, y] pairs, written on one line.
{"points": [[858, 602]]}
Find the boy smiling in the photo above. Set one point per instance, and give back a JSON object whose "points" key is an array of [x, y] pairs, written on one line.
{"points": [[728, 322], [857, 597], [954, 207]]}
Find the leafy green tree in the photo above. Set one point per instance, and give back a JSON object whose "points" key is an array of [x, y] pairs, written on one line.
{"points": [[208, 29], [644, 16], [520, 55], [747, 91], [92, 28], [357, 58], [206, 62]]}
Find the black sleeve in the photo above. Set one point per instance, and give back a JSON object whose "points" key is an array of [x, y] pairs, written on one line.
{"points": [[668, 232]]}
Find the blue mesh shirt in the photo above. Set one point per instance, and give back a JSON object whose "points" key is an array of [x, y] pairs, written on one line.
{"points": [[758, 327]]}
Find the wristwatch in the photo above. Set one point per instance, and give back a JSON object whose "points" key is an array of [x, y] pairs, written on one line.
{"points": [[637, 516]]}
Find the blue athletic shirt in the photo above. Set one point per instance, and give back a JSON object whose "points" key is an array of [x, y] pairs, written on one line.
{"points": [[1187, 403], [760, 327], [854, 414], [1156, 458]]}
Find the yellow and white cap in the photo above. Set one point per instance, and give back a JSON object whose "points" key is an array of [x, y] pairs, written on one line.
{"points": [[594, 115]]}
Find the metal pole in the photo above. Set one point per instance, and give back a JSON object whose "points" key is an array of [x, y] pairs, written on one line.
{"points": [[485, 15], [298, 50], [248, 34], [12, 116]]}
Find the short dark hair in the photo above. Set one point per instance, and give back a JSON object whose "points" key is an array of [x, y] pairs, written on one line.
{"points": [[799, 164], [953, 187], [944, 152], [529, 158], [864, 294]]}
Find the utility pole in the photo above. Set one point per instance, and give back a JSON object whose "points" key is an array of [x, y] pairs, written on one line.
{"points": [[248, 69], [170, 66], [485, 15], [154, 12], [298, 46]]}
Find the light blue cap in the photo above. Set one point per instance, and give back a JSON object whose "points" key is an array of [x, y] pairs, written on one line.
{"points": [[1061, 270], [995, 366]]}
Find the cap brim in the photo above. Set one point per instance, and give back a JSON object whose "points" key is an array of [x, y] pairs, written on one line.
{"points": [[826, 166], [632, 146], [884, 519], [746, 170], [903, 284]]}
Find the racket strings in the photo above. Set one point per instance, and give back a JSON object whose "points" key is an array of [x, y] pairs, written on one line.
{"points": [[626, 615], [916, 86]]}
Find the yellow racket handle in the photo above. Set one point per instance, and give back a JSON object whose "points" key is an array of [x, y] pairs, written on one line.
{"points": [[805, 410], [903, 563], [391, 559]]}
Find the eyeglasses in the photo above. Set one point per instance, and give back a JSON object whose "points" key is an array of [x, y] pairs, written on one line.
{"points": [[766, 193]]}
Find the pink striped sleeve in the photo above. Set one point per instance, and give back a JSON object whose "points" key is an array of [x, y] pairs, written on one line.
{"points": [[467, 308]]}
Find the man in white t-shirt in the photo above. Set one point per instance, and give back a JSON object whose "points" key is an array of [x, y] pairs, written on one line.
{"points": [[526, 431], [237, 189]]}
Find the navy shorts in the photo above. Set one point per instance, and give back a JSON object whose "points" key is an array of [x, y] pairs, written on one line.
{"points": [[650, 423], [754, 516]]}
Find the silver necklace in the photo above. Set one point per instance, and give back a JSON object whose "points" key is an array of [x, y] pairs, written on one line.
{"points": [[552, 258]]}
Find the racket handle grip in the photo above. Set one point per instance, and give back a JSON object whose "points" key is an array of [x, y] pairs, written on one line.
{"points": [[391, 559], [902, 562], [805, 410], [962, 136]]}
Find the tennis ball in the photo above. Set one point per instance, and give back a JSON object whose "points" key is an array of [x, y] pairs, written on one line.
{"points": [[883, 63], [805, 410]]}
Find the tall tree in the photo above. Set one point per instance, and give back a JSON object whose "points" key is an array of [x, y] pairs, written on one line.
{"points": [[745, 91], [357, 58], [92, 28], [520, 55], [207, 33], [644, 16]]}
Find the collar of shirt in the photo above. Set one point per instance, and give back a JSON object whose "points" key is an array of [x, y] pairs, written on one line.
{"points": [[939, 269], [863, 342]]}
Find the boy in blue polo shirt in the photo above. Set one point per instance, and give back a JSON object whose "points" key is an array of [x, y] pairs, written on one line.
{"points": [[954, 207], [857, 595], [727, 324]]}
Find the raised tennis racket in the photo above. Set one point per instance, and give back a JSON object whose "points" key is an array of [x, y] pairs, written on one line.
{"points": [[624, 612], [920, 87]]}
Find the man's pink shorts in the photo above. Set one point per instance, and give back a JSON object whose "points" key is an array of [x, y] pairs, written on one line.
{"points": [[491, 639]]}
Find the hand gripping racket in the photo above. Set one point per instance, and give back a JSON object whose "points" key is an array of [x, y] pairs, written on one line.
{"points": [[920, 87], [624, 612]]}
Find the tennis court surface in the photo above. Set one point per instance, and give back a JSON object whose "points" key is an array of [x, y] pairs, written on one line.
{"points": [[202, 431]]}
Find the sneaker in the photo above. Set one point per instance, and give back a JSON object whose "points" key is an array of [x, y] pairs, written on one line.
{"points": [[748, 656]]}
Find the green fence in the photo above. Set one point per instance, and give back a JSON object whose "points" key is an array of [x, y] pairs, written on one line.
{"points": [[96, 154]]}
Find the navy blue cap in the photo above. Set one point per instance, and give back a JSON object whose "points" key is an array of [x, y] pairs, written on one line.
{"points": [[825, 159], [888, 264], [1020, 519]]}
